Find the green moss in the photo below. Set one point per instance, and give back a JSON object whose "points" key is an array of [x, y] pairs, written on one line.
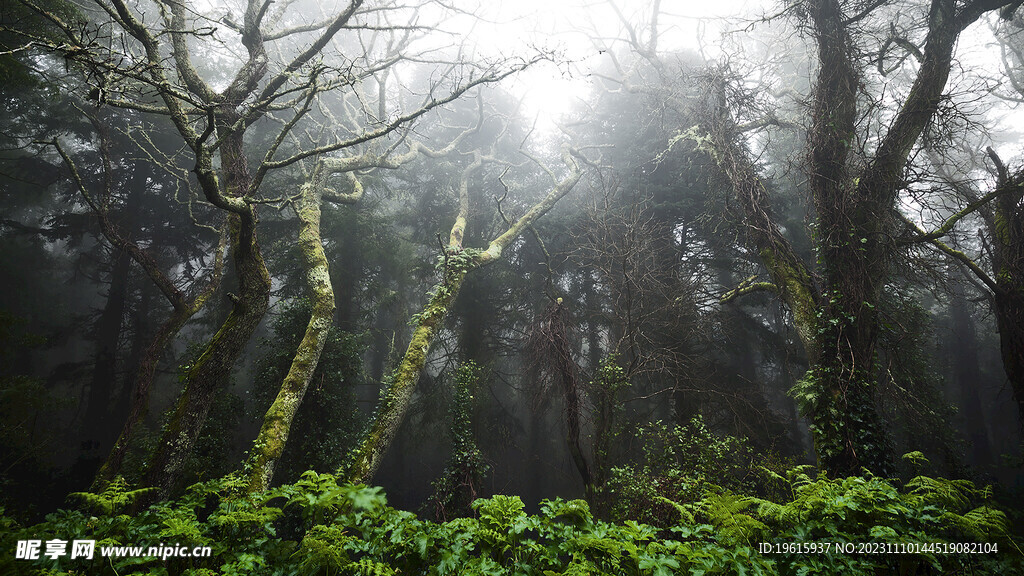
{"points": [[1002, 227], [796, 287], [399, 388]]}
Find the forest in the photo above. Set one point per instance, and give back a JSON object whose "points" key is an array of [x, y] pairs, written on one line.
{"points": [[450, 287]]}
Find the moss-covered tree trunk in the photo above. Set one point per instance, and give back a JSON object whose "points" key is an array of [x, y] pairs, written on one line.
{"points": [[457, 262], [270, 443], [856, 227], [790, 277], [145, 373], [402, 382], [138, 406], [839, 387], [212, 370]]}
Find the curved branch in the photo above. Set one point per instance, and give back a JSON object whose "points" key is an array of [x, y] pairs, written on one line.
{"points": [[748, 286], [494, 249], [956, 254]]}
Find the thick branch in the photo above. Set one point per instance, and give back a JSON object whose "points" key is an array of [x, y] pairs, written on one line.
{"points": [[748, 286], [494, 249]]}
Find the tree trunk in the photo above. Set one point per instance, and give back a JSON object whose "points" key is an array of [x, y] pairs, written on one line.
{"points": [[212, 370], [848, 433], [139, 404], [963, 352], [104, 374], [402, 382], [790, 276], [270, 443], [567, 373], [457, 263], [1008, 264], [1010, 320]]}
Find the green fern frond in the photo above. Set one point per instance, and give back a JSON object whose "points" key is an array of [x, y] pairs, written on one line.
{"points": [[367, 567], [685, 516], [182, 525], [785, 514], [981, 523], [725, 511], [941, 491], [323, 550], [916, 458], [113, 499]]}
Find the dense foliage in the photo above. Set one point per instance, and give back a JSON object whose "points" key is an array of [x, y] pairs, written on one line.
{"points": [[318, 526]]}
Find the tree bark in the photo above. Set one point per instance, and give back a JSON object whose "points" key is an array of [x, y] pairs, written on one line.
{"points": [[402, 382], [183, 308], [139, 403], [789, 274], [457, 263], [145, 372], [270, 443], [212, 370], [1007, 233], [848, 432], [854, 230]]}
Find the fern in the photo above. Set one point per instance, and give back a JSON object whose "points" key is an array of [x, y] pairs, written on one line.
{"points": [[685, 516], [113, 499], [182, 525], [322, 550], [725, 511], [982, 523], [331, 529], [942, 492], [367, 567]]}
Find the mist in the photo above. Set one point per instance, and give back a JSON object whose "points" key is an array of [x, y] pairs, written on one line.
{"points": [[511, 288]]}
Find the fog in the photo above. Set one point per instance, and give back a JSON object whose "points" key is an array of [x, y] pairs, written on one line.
{"points": [[655, 259]]}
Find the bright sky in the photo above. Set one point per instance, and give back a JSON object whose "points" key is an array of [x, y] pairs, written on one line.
{"points": [[579, 29]]}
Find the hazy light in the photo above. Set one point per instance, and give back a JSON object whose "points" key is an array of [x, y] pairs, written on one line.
{"points": [[582, 31]]}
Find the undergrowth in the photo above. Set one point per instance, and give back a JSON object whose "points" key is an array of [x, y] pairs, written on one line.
{"points": [[317, 526]]}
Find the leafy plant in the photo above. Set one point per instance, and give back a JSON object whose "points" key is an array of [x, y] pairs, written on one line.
{"points": [[679, 464], [460, 482], [113, 499], [318, 526]]}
